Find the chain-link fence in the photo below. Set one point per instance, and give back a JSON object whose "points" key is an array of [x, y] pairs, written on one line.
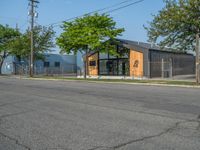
{"points": [[69, 70], [170, 69]]}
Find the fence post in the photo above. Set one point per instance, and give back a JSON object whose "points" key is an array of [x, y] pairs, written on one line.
{"points": [[171, 68], [162, 68]]}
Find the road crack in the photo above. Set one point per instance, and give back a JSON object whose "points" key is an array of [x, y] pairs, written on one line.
{"points": [[101, 147], [16, 102], [15, 140], [168, 130], [10, 138], [147, 137], [14, 114]]}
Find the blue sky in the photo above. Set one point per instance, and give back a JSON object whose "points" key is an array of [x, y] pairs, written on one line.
{"points": [[131, 18]]}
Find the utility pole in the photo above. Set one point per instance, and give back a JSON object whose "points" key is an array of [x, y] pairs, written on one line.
{"points": [[33, 14], [197, 58]]}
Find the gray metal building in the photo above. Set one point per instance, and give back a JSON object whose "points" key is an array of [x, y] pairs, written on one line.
{"points": [[162, 63], [52, 64]]}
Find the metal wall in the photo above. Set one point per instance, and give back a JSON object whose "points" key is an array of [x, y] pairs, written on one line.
{"points": [[67, 64], [180, 64]]}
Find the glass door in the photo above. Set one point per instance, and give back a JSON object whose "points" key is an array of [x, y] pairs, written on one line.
{"points": [[123, 67]]}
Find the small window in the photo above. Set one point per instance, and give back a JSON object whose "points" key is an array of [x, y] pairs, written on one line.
{"points": [[57, 64], [46, 64], [92, 63]]}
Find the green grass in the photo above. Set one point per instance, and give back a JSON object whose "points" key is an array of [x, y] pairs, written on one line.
{"points": [[150, 81]]}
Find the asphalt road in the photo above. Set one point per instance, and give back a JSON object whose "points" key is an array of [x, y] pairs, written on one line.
{"points": [[72, 115]]}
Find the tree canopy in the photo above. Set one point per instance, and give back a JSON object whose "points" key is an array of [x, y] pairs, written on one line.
{"points": [[43, 42], [91, 32], [7, 35], [176, 25], [13, 42]]}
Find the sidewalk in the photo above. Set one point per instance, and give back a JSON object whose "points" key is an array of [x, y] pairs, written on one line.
{"points": [[147, 82]]}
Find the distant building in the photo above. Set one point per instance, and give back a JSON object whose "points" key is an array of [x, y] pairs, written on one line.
{"points": [[80, 63], [140, 60], [52, 64], [8, 65], [56, 64]]}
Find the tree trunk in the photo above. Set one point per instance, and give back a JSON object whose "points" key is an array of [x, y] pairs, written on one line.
{"points": [[1, 64], [2, 58], [197, 59], [86, 64]]}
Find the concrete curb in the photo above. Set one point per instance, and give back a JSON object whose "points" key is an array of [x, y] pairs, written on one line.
{"points": [[110, 82]]}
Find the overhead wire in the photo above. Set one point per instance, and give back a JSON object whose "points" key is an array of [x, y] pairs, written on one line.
{"points": [[136, 2], [100, 10]]}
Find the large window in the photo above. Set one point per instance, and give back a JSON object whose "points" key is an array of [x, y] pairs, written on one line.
{"points": [[114, 67], [123, 52], [102, 67], [108, 67]]}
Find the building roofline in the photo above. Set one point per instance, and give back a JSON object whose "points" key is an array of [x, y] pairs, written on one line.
{"points": [[147, 46]]}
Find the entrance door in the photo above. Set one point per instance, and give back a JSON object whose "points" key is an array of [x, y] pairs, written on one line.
{"points": [[123, 67]]}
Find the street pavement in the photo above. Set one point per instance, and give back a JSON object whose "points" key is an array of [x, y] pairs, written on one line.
{"points": [[77, 115]]}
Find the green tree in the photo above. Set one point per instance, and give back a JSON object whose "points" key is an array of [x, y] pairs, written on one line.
{"points": [[88, 34], [43, 42], [7, 35], [177, 25], [12, 42]]}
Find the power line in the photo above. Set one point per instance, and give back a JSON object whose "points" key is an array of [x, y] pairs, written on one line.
{"points": [[102, 9], [10, 18], [23, 25], [116, 9], [124, 6]]}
